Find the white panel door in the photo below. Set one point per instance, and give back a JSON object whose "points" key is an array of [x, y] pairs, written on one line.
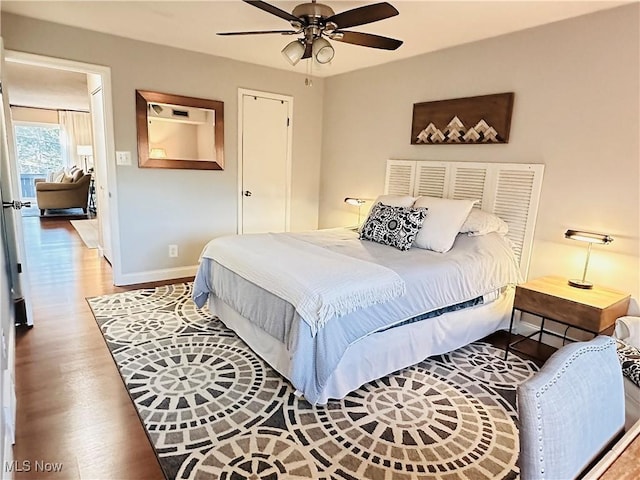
{"points": [[265, 164], [13, 280], [100, 172]]}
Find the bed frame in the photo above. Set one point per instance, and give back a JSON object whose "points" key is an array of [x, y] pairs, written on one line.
{"points": [[511, 191]]}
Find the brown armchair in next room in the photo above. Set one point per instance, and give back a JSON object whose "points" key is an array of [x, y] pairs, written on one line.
{"points": [[71, 192]]}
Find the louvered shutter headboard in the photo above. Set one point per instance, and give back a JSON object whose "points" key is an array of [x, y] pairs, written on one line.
{"points": [[509, 190]]}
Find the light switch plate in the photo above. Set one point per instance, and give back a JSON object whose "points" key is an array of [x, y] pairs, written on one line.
{"points": [[123, 158]]}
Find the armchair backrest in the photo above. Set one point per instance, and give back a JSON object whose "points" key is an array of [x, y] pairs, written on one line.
{"points": [[570, 410]]}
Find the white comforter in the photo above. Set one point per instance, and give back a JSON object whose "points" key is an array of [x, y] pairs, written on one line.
{"points": [[475, 267], [319, 283]]}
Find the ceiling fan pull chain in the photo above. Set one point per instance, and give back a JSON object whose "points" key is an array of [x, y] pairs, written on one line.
{"points": [[309, 80]]}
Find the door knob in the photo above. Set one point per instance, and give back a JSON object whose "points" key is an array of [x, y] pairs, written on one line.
{"points": [[247, 193], [16, 204]]}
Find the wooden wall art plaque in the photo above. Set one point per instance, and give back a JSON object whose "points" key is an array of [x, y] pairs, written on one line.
{"points": [[471, 120]]}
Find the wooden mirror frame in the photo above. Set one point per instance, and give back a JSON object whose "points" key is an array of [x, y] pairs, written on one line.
{"points": [[143, 98]]}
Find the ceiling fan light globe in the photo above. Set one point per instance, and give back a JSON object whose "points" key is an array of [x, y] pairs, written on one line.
{"points": [[293, 52], [322, 50]]}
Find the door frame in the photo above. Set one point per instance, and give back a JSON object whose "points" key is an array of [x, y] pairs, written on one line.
{"points": [[271, 96], [111, 184]]}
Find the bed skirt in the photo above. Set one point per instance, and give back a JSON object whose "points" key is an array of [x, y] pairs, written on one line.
{"points": [[358, 365]]}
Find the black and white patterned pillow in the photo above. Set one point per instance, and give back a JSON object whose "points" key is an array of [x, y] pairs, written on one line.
{"points": [[394, 226], [629, 357]]}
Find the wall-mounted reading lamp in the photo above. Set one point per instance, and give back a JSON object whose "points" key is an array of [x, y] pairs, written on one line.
{"points": [[590, 238]]}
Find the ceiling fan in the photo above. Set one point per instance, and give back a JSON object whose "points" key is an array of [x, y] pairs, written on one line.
{"points": [[315, 20]]}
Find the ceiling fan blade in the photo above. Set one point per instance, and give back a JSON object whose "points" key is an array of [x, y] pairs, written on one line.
{"points": [[362, 15], [260, 32], [273, 10], [368, 40], [307, 51]]}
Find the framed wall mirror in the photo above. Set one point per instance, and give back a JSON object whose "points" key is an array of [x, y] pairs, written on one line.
{"points": [[179, 132]]}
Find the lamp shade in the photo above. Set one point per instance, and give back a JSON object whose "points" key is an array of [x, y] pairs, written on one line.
{"points": [[294, 51], [356, 202], [588, 237], [85, 150], [322, 50]]}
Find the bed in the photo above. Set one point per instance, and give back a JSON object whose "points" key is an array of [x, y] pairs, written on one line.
{"points": [[425, 303]]}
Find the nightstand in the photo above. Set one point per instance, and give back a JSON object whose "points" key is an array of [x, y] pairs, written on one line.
{"points": [[594, 311]]}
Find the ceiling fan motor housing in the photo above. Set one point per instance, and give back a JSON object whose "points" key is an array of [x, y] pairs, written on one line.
{"points": [[312, 20], [313, 13]]}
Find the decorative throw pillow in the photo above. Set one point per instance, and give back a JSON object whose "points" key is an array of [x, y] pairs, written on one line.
{"points": [[479, 223], [51, 176], [443, 222], [394, 226], [393, 201], [58, 176], [77, 175], [629, 361]]}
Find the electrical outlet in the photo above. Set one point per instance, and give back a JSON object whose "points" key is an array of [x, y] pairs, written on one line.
{"points": [[173, 251]]}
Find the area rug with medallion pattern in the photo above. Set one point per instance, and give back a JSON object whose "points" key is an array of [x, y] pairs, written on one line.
{"points": [[213, 409]]}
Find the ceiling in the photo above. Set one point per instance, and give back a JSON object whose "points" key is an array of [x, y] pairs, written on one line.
{"points": [[38, 87], [424, 26]]}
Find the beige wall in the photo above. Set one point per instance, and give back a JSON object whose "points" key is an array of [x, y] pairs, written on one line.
{"points": [[37, 115], [179, 140], [576, 111], [158, 207]]}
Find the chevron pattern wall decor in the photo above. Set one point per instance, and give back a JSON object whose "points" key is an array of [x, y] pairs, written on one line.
{"points": [[485, 119]]}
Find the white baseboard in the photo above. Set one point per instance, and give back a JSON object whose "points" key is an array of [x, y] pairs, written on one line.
{"points": [[157, 275], [525, 328]]}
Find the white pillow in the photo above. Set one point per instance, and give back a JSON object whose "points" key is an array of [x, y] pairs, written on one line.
{"points": [[444, 219], [396, 200], [55, 176], [480, 223]]}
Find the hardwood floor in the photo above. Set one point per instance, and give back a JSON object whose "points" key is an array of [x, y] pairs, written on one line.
{"points": [[72, 407]]}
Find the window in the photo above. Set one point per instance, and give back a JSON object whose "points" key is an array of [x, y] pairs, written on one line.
{"points": [[39, 152], [38, 148]]}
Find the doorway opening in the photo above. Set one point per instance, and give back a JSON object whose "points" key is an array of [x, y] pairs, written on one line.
{"points": [[62, 136]]}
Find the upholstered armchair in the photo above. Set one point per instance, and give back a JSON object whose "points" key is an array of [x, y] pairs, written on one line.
{"points": [[570, 410], [72, 192]]}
